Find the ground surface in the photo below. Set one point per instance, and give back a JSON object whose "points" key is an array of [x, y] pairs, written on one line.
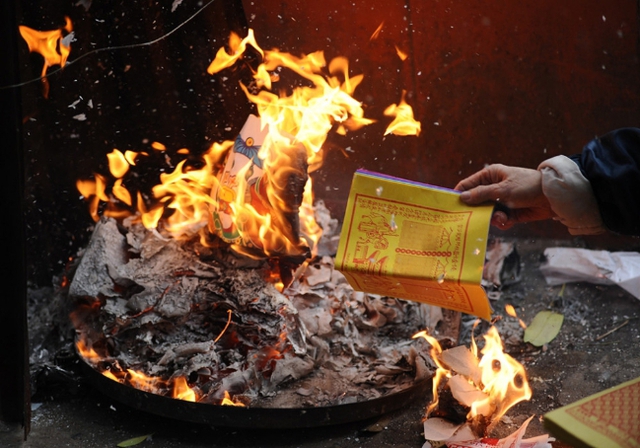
{"points": [[574, 365]]}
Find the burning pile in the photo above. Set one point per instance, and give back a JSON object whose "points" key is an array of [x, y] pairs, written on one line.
{"points": [[220, 282]]}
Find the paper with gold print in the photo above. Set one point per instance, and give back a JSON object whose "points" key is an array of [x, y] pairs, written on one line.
{"points": [[414, 241]]}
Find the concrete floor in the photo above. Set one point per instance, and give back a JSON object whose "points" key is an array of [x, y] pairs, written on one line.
{"points": [[572, 366]]}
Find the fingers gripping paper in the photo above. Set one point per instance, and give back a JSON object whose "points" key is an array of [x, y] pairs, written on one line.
{"points": [[414, 241]]}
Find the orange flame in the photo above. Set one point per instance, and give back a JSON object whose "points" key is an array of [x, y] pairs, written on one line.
{"points": [[227, 401], [503, 378], [50, 44], [182, 391], [403, 123], [441, 371], [376, 33], [144, 382], [237, 47], [512, 312], [118, 164], [264, 212], [179, 387], [87, 353], [502, 382], [401, 54]]}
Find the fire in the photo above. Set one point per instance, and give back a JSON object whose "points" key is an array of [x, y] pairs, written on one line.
{"points": [[292, 130], [52, 45], [267, 196], [178, 387], [227, 401], [376, 33], [182, 391], [87, 353], [256, 192], [403, 123], [512, 312], [489, 386], [401, 54], [143, 382], [503, 378]]}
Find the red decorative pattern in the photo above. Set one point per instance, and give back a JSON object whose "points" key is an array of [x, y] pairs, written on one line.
{"points": [[615, 415], [424, 253]]}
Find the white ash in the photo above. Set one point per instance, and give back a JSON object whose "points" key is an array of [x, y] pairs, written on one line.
{"points": [[164, 303]]}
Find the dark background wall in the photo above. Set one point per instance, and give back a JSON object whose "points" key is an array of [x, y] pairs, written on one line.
{"points": [[509, 82]]}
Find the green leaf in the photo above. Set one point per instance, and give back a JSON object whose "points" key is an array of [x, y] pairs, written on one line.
{"points": [[134, 441], [544, 328]]}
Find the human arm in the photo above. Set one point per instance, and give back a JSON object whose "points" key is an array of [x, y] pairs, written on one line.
{"points": [[557, 190], [590, 192], [611, 163], [519, 190]]}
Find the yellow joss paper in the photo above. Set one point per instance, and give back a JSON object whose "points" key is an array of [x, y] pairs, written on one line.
{"points": [[609, 418], [414, 241]]}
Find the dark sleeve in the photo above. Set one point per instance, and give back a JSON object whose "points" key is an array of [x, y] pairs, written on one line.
{"points": [[611, 163]]}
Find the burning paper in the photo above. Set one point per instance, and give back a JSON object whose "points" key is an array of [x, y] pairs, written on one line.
{"points": [[252, 207], [459, 438], [202, 324], [158, 269], [254, 192], [471, 394], [54, 46]]}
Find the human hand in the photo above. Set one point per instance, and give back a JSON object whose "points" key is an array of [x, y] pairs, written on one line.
{"points": [[518, 189]]}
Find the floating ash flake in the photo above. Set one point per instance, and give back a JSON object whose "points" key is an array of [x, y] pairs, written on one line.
{"points": [[175, 5], [80, 117], [75, 103], [392, 224]]}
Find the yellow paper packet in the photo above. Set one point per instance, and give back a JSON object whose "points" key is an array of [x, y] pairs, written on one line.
{"points": [[414, 241]]}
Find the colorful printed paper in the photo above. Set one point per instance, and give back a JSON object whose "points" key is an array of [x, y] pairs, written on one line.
{"points": [[242, 173], [414, 241]]}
